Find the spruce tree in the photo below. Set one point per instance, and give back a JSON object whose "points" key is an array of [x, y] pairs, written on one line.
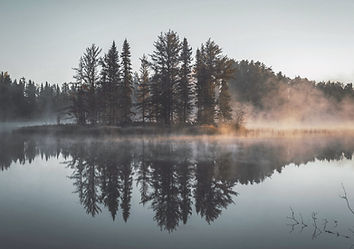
{"points": [[184, 85], [91, 76], [5, 96], [125, 89], [224, 102], [31, 99], [154, 99], [199, 77], [165, 63], [79, 105], [19, 98], [110, 80], [211, 68], [143, 89], [87, 77]]}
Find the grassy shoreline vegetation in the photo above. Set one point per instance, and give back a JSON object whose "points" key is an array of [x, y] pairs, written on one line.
{"points": [[191, 131], [89, 130]]}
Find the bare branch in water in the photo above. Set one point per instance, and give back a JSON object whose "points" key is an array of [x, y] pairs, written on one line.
{"points": [[345, 197], [292, 217], [302, 223], [325, 224], [317, 231]]}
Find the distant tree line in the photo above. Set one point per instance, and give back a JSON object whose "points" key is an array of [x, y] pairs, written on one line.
{"points": [[24, 100], [278, 96], [253, 81], [173, 87]]}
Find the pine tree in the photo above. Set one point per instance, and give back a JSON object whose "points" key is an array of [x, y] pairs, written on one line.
{"points": [[199, 76], [224, 101], [184, 85], [79, 105], [18, 97], [154, 100], [5, 96], [87, 78], [143, 89], [91, 76], [125, 90], [165, 63], [31, 99], [211, 68], [110, 80]]}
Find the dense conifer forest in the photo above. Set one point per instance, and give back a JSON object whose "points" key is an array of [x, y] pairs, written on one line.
{"points": [[175, 85]]}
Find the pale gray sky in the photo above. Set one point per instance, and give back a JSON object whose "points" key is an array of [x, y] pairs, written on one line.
{"points": [[43, 39]]}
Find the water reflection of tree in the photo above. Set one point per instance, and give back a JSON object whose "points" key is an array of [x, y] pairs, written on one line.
{"points": [[172, 177], [166, 174], [86, 176], [126, 177], [102, 174], [212, 195]]}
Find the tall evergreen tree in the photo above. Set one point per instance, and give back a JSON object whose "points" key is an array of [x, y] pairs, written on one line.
{"points": [[184, 85], [31, 99], [87, 78], [211, 68], [126, 85], [79, 105], [154, 100], [5, 96], [18, 97], [110, 80], [91, 65], [165, 63], [199, 70], [224, 102], [143, 89]]}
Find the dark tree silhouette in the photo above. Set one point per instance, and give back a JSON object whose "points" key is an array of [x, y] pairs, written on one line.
{"points": [[211, 69], [110, 180], [165, 64], [224, 103], [184, 87], [143, 90], [24, 100], [110, 82], [127, 182], [125, 89], [91, 63]]}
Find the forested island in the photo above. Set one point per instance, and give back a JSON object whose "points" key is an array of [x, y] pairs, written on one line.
{"points": [[175, 87]]}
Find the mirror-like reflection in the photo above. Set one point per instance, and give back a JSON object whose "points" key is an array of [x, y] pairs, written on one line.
{"points": [[176, 191], [169, 180], [175, 177]]}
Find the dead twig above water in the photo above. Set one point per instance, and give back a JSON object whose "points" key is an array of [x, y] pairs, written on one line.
{"points": [[292, 217], [317, 231], [345, 197]]}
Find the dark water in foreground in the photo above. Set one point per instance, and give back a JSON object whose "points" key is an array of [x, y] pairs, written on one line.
{"points": [[176, 193]]}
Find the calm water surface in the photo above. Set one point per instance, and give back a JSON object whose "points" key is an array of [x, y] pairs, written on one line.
{"points": [[176, 193]]}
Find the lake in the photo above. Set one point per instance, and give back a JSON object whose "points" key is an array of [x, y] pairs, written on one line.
{"points": [[176, 192]]}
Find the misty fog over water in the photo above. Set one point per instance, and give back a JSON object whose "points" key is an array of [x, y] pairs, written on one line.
{"points": [[177, 192]]}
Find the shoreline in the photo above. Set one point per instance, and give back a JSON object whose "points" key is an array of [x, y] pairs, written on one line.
{"points": [[192, 131]]}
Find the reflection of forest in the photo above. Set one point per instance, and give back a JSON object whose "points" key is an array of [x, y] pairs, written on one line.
{"points": [[172, 176]]}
